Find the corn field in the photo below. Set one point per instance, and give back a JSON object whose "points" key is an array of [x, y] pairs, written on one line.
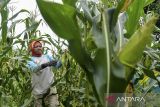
{"points": [[111, 44]]}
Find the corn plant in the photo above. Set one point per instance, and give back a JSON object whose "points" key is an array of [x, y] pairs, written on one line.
{"points": [[92, 40], [101, 58], [15, 85]]}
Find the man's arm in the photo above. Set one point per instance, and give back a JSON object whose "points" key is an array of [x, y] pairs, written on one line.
{"points": [[35, 67]]}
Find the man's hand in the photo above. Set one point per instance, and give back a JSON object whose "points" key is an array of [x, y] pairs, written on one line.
{"points": [[44, 65], [52, 63]]}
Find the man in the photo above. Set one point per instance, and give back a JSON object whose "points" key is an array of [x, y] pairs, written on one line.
{"points": [[42, 76]]}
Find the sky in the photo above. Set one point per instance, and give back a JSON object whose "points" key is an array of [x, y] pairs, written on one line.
{"points": [[29, 5]]}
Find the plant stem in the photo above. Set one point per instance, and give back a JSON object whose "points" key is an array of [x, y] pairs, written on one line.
{"points": [[106, 34]]}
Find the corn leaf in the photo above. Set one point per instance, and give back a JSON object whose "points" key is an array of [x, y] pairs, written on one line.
{"points": [[15, 15], [116, 13], [100, 74], [134, 12], [4, 16], [133, 50], [61, 19], [70, 2]]}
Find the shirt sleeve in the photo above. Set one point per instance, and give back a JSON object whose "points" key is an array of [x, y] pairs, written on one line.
{"points": [[50, 58], [58, 64], [33, 67]]}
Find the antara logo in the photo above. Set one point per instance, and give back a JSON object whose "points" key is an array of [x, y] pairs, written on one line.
{"points": [[112, 99], [130, 99]]}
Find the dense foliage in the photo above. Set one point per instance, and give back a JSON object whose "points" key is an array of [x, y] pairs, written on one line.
{"points": [[103, 55]]}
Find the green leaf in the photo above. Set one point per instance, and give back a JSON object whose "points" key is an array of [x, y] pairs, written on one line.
{"points": [[70, 2], [34, 26], [60, 18], [108, 47], [133, 50], [4, 16], [134, 12], [50, 39], [3, 4], [149, 73], [27, 102], [98, 36], [5, 51], [86, 11], [80, 54], [14, 24], [118, 75], [147, 2], [105, 2], [118, 69], [116, 13], [15, 15], [100, 75], [117, 30]]}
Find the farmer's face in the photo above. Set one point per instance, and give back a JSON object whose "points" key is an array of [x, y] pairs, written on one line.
{"points": [[37, 48]]}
